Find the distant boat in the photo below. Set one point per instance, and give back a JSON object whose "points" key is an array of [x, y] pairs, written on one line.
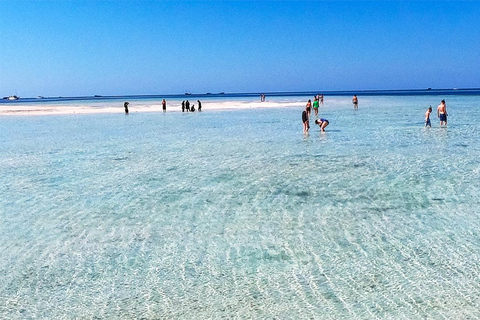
{"points": [[188, 93], [39, 97], [97, 96], [429, 88], [14, 97]]}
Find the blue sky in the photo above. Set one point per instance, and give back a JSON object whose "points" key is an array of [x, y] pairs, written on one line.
{"points": [[71, 48]]}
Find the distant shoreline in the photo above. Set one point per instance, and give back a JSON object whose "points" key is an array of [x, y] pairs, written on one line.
{"points": [[145, 104], [376, 92]]}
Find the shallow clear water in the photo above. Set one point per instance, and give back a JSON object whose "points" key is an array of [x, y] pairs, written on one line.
{"points": [[237, 214]]}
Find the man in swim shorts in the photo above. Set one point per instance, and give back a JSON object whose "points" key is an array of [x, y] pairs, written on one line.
{"points": [[355, 102], [442, 113], [125, 105], [322, 123], [427, 117]]}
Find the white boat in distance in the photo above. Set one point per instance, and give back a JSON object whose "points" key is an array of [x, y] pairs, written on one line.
{"points": [[11, 97]]}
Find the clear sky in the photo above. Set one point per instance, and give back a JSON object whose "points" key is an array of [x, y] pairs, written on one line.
{"points": [[71, 48]]}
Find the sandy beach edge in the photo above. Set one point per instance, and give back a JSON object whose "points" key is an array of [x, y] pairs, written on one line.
{"points": [[29, 109]]}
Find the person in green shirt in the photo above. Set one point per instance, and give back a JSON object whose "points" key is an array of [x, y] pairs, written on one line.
{"points": [[315, 105]]}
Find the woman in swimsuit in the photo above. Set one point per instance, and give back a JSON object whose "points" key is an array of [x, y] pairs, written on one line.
{"points": [[309, 107], [322, 123]]}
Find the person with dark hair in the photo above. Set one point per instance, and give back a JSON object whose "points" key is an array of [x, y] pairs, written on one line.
{"points": [[306, 123], [316, 104], [183, 106], [427, 117], [322, 123], [192, 109], [187, 106], [199, 106], [164, 105], [125, 105], [355, 102], [442, 113], [308, 107]]}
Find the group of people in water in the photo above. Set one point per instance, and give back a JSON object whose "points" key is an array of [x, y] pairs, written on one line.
{"points": [[185, 106], [441, 114], [323, 123]]}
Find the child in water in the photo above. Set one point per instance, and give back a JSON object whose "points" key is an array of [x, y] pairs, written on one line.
{"points": [[427, 117]]}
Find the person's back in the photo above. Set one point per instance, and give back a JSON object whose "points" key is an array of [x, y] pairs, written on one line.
{"points": [[427, 117], [442, 112]]}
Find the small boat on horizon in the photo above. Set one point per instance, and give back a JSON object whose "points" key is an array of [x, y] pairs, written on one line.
{"points": [[14, 97]]}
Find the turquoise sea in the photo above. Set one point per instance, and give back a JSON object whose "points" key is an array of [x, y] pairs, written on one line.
{"points": [[238, 214]]}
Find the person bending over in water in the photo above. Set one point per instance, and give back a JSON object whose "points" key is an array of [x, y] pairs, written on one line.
{"points": [[442, 113], [306, 123], [322, 123], [427, 117], [125, 105]]}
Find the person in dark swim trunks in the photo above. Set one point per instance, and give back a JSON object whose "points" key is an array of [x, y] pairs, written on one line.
{"points": [[442, 113], [355, 102], [322, 123], [427, 117], [125, 105], [164, 105]]}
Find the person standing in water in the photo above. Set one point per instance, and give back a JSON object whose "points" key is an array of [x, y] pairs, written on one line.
{"points": [[321, 99], [305, 120], [427, 117], [187, 106], [199, 106], [164, 105], [442, 113], [308, 107], [315, 105], [183, 106], [125, 105], [355, 102]]}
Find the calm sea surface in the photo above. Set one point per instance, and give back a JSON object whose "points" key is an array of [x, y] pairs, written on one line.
{"points": [[238, 214]]}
